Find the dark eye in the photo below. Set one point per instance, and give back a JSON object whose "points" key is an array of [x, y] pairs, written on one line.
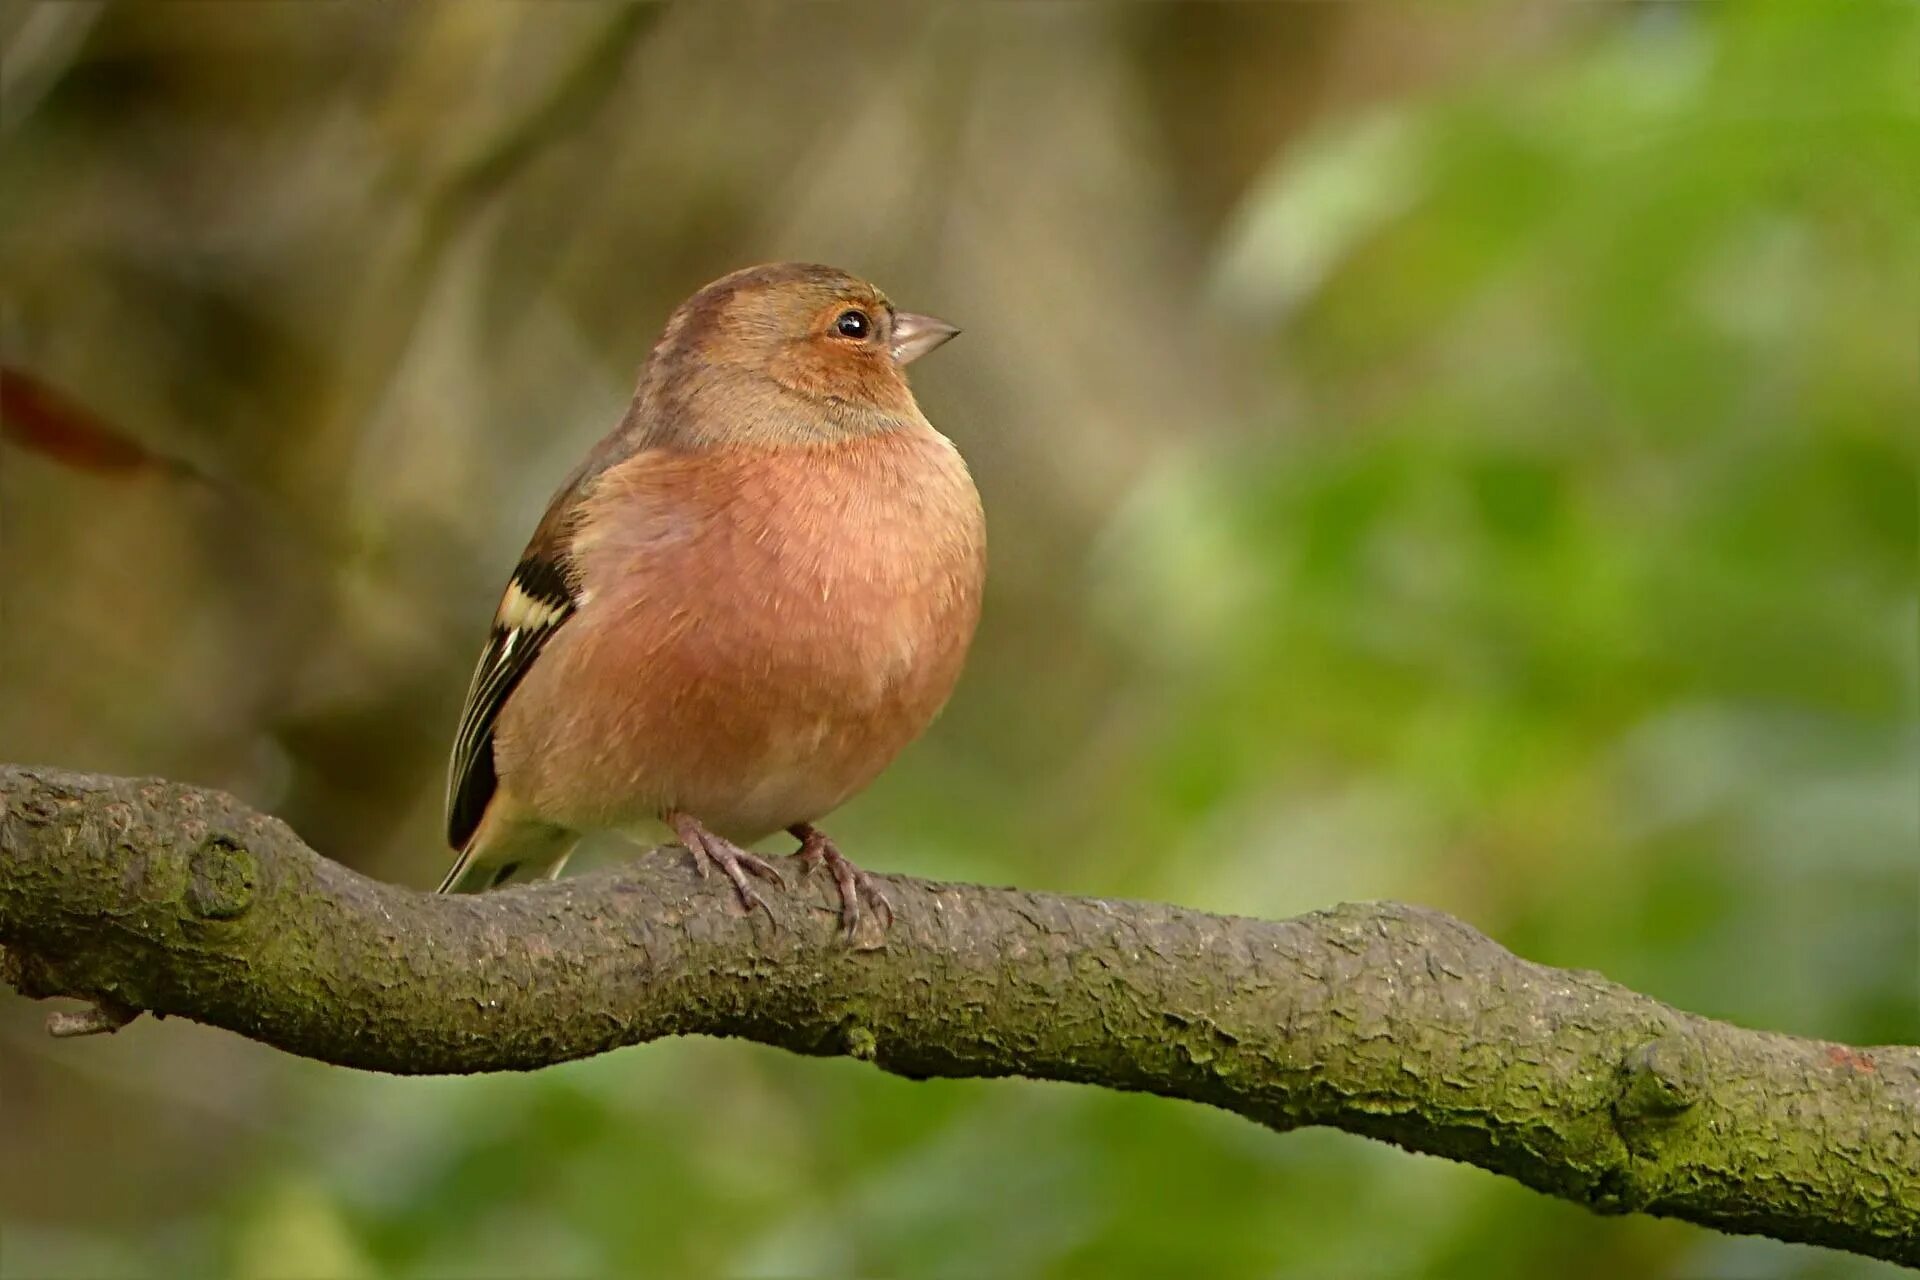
{"points": [[853, 324]]}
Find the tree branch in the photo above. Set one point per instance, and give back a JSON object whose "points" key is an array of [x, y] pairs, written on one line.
{"points": [[1390, 1021]]}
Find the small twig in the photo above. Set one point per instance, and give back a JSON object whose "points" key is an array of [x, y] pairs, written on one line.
{"points": [[100, 1017]]}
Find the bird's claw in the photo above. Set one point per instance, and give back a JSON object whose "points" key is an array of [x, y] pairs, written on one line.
{"points": [[817, 849], [737, 863]]}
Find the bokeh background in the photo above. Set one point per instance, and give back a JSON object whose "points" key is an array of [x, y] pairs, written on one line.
{"points": [[1460, 457]]}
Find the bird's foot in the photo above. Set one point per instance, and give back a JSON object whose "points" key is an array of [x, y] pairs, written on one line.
{"points": [[709, 849], [816, 849]]}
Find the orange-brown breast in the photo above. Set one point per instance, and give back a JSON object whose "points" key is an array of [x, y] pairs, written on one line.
{"points": [[761, 631]]}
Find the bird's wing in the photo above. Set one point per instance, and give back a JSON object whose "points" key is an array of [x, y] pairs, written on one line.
{"points": [[540, 597]]}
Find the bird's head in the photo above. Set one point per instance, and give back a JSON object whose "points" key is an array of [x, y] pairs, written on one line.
{"points": [[798, 329]]}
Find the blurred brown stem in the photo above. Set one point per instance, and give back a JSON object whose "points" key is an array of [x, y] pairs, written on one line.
{"points": [[1394, 1022]]}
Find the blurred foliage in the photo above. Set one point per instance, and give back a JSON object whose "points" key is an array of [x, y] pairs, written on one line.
{"points": [[1468, 460]]}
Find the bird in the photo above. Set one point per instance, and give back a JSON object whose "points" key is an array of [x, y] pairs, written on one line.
{"points": [[750, 596]]}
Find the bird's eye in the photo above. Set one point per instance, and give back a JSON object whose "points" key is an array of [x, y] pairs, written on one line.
{"points": [[853, 324]]}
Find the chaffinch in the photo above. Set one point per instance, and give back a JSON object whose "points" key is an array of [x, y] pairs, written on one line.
{"points": [[741, 606]]}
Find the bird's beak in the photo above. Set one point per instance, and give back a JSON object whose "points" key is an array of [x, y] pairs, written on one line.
{"points": [[914, 336]]}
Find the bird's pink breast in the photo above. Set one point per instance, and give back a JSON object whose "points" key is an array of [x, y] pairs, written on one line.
{"points": [[761, 632]]}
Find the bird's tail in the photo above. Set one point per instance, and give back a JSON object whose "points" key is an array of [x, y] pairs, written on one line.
{"points": [[500, 852]]}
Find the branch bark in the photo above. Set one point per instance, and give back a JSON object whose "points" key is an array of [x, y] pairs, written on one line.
{"points": [[1391, 1021]]}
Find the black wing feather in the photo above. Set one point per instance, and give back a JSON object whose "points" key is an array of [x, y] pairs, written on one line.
{"points": [[538, 600]]}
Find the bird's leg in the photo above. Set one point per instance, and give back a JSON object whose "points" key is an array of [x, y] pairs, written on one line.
{"points": [[707, 847], [817, 848]]}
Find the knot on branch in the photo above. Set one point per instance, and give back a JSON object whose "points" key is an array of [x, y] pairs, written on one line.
{"points": [[221, 876], [1660, 1079]]}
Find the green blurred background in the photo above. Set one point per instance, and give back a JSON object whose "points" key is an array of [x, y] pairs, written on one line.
{"points": [[1464, 457]]}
